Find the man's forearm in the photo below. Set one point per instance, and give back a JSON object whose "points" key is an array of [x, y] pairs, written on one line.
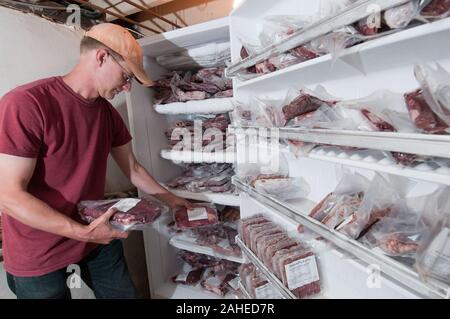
{"points": [[145, 182], [35, 213]]}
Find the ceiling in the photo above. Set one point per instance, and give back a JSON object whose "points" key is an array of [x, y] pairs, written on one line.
{"points": [[97, 11]]}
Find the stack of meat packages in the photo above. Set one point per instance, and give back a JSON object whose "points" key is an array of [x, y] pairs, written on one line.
{"points": [[211, 135], [255, 284], [291, 261], [217, 231], [215, 275], [198, 178], [186, 86]]}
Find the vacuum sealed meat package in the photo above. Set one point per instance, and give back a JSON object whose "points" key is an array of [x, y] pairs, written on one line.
{"points": [[202, 214], [132, 213]]}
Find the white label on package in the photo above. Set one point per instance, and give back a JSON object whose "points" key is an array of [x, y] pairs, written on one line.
{"points": [[182, 277], [234, 283], [197, 213], [125, 205], [267, 292], [301, 272]]}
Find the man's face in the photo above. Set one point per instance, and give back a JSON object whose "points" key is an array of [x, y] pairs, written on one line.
{"points": [[115, 77]]}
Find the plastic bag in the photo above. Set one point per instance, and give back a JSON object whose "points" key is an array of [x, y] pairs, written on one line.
{"points": [[401, 233], [384, 110], [205, 56], [435, 84], [266, 113], [191, 277], [283, 188], [278, 27], [400, 16], [343, 202], [436, 9], [132, 213], [378, 202], [433, 256], [241, 114], [202, 214], [303, 101]]}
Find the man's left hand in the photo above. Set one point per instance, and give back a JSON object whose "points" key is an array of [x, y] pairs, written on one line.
{"points": [[174, 201]]}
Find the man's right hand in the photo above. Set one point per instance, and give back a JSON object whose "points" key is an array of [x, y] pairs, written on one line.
{"points": [[100, 230]]}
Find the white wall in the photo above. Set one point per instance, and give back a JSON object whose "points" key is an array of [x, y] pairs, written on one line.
{"points": [[32, 48]]}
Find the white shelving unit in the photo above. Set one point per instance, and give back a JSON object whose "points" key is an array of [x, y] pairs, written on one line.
{"points": [[244, 291], [347, 16], [377, 161], [389, 266], [198, 157], [210, 106], [422, 144], [385, 63], [148, 124], [181, 242], [216, 198]]}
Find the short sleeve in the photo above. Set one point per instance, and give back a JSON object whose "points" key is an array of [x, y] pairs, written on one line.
{"points": [[21, 125], [121, 135]]}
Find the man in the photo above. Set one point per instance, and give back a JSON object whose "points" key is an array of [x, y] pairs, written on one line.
{"points": [[56, 135]]}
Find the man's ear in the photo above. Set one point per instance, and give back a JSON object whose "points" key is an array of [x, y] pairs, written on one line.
{"points": [[100, 56]]}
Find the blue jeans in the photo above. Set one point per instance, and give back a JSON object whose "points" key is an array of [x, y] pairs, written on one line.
{"points": [[104, 270]]}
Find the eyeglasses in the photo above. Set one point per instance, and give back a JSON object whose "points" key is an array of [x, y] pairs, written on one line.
{"points": [[126, 76]]}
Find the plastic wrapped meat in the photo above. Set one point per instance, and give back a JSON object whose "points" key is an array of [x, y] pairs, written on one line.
{"points": [[252, 181], [397, 245], [220, 122], [225, 93], [421, 113], [303, 53], [406, 159], [304, 103], [380, 124], [253, 229], [263, 234], [132, 213], [352, 226], [246, 222], [436, 8], [264, 244], [283, 188], [401, 16], [244, 54], [321, 210], [189, 278], [271, 250], [205, 177], [201, 214], [346, 205], [299, 273], [198, 260]]}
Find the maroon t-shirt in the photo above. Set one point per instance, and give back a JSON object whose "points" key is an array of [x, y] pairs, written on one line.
{"points": [[71, 138]]}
